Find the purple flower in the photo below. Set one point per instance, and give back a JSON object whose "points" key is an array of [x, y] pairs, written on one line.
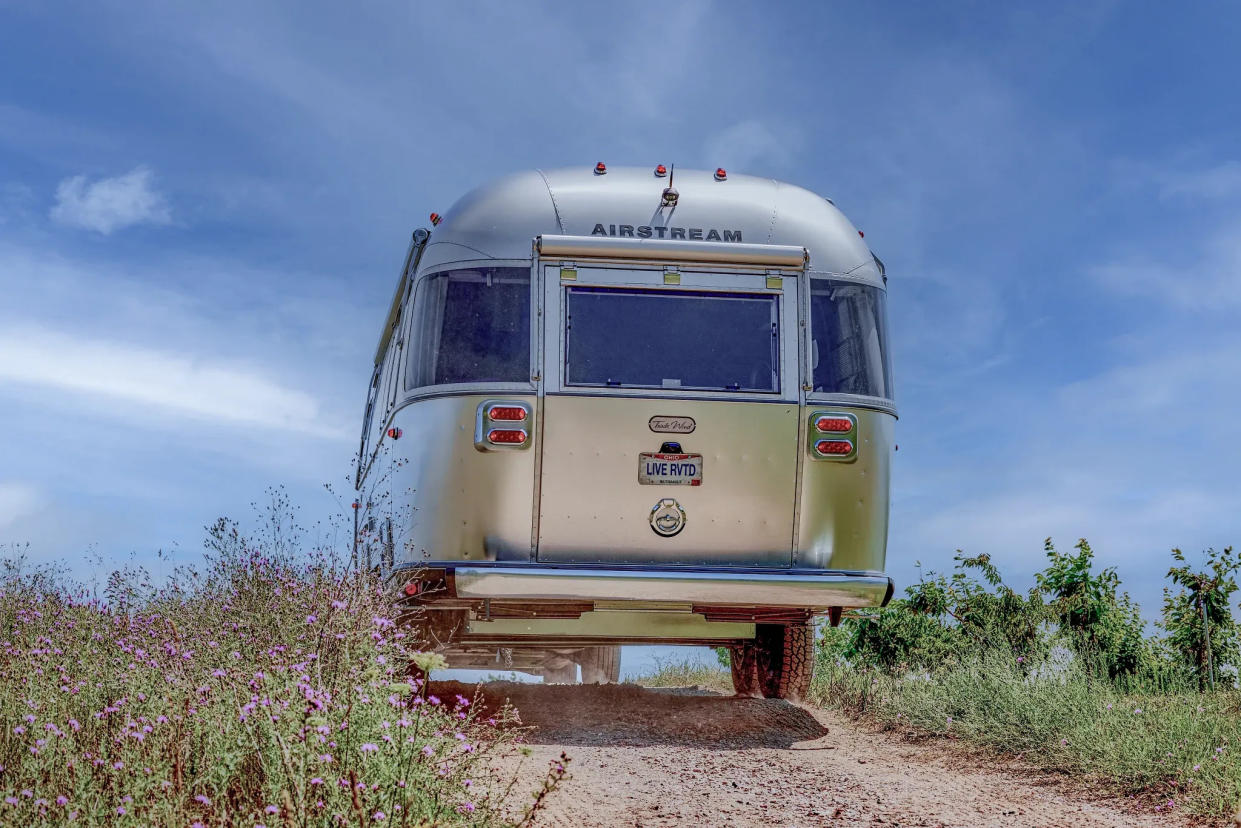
{"points": [[272, 809], [370, 747], [310, 619]]}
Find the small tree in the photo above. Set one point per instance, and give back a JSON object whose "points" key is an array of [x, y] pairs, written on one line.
{"points": [[1104, 629], [1198, 617]]}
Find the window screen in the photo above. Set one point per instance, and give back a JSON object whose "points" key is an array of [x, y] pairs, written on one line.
{"points": [[470, 325], [672, 339], [848, 339]]}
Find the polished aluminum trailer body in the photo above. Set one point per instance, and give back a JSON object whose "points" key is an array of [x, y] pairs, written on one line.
{"points": [[598, 416]]}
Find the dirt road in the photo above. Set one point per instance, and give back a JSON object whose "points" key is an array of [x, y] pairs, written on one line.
{"points": [[644, 757]]}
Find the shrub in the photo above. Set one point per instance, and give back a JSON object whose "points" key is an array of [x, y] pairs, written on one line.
{"points": [[266, 688]]}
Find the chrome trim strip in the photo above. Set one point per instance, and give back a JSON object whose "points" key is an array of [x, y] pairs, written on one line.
{"points": [[787, 588], [820, 399], [611, 247]]}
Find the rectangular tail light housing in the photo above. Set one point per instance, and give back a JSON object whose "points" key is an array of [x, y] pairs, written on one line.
{"points": [[833, 435], [503, 425]]}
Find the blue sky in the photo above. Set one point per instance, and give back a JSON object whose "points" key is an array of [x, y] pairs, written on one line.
{"points": [[203, 210]]}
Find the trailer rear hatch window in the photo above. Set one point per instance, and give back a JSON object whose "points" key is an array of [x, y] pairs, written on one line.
{"points": [[672, 340], [848, 339], [471, 325]]}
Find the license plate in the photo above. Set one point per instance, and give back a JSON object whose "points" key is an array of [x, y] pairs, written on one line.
{"points": [[670, 469]]}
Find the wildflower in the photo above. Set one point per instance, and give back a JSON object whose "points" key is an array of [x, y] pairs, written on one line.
{"points": [[318, 780], [272, 809], [379, 816], [326, 758], [1197, 767], [465, 808], [310, 619], [1137, 711], [203, 799], [1021, 659], [370, 747], [120, 810], [427, 750], [62, 800], [338, 604], [118, 764]]}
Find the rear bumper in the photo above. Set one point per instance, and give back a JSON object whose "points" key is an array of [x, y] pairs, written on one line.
{"points": [[706, 586]]}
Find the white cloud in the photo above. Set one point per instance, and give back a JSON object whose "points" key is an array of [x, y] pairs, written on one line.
{"points": [[147, 377], [110, 203], [1208, 281], [16, 501], [749, 145], [1218, 182]]}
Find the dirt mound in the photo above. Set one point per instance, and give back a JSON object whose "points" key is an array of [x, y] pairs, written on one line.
{"points": [[631, 716]]}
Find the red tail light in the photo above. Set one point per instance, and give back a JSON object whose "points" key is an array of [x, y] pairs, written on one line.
{"points": [[506, 413], [833, 448], [413, 588], [395, 433], [833, 425], [506, 436]]}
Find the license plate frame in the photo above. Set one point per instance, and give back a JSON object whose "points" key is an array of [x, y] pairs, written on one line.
{"points": [[664, 469]]}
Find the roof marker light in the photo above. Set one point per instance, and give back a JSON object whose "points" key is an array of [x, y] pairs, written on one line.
{"points": [[601, 168], [860, 233], [720, 174], [436, 218], [395, 433], [661, 170]]}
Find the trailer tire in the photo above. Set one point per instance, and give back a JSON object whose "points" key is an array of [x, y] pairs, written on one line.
{"points": [[600, 665], [743, 664], [785, 660]]}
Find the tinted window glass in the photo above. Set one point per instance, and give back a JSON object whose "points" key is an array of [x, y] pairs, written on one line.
{"points": [[849, 346], [471, 326], [672, 339]]}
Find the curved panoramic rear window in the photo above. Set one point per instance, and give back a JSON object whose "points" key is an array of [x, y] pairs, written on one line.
{"points": [[471, 325], [672, 340], [848, 338]]}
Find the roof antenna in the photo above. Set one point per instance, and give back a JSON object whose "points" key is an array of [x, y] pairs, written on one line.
{"points": [[670, 193]]}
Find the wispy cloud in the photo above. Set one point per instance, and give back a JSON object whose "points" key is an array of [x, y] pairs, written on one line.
{"points": [[1210, 280], [110, 204], [145, 378], [16, 501], [1217, 182], [751, 145]]}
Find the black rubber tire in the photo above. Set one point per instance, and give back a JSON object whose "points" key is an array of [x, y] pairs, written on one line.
{"points": [[785, 660], [743, 664], [600, 665]]}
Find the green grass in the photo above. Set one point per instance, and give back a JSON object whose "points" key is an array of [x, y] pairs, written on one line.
{"points": [[261, 692], [1180, 751], [686, 673]]}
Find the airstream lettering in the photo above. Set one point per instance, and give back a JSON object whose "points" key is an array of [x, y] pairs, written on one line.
{"points": [[646, 231], [531, 360]]}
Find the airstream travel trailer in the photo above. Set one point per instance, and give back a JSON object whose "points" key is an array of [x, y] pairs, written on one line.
{"points": [[633, 406]]}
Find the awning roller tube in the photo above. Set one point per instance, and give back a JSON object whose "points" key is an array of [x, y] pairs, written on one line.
{"points": [[611, 247]]}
